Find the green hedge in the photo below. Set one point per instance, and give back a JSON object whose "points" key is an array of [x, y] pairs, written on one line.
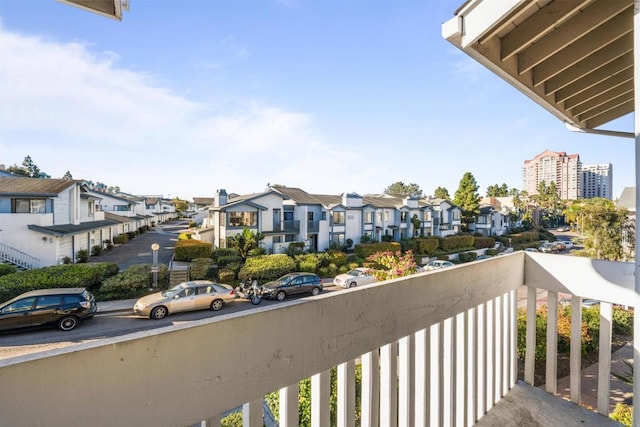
{"points": [[202, 269], [364, 250], [88, 276], [266, 267], [451, 243], [467, 256], [7, 269], [484, 242], [226, 256], [524, 237], [132, 282], [186, 250]]}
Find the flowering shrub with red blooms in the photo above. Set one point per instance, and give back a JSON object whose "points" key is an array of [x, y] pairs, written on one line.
{"points": [[391, 265]]}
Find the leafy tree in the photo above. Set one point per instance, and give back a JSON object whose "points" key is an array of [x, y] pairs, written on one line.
{"points": [[181, 205], [468, 199], [113, 190], [498, 190], [246, 241], [67, 176], [441, 193], [399, 188], [415, 221], [608, 231]]}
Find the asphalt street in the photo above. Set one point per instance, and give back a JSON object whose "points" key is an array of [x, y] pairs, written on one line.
{"points": [[138, 250]]}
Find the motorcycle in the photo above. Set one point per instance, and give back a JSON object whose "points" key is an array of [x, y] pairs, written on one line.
{"points": [[252, 292]]}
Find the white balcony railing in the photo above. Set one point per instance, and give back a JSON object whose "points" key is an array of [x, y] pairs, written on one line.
{"points": [[436, 349]]}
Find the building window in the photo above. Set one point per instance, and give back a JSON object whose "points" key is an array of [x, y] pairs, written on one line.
{"points": [[91, 207], [379, 216], [120, 208], [456, 215], [338, 218], [241, 219], [324, 215], [337, 238], [403, 216], [309, 216], [35, 206], [386, 216], [288, 215], [368, 217]]}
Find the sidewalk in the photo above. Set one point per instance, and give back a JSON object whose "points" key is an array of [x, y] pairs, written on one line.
{"points": [[589, 381], [121, 306]]}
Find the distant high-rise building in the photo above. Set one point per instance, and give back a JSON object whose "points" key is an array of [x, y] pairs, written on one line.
{"points": [[551, 166], [597, 181]]}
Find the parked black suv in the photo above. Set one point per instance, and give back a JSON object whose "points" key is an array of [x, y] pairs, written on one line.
{"points": [[64, 307]]}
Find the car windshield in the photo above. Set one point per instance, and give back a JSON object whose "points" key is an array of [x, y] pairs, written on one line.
{"points": [[284, 280], [173, 291], [355, 273]]}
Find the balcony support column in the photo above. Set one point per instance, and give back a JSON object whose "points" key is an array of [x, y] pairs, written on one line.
{"points": [[636, 96]]}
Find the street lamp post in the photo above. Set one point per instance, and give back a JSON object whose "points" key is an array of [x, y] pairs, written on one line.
{"points": [[154, 268]]}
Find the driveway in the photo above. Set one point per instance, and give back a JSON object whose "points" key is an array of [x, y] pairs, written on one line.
{"points": [[138, 250]]}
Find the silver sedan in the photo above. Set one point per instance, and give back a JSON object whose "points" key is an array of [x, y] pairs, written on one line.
{"points": [[186, 296]]}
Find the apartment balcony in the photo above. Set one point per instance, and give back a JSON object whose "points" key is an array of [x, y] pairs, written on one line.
{"points": [[436, 349], [289, 226], [313, 226]]}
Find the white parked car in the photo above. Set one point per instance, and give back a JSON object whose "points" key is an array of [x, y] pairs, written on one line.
{"points": [[438, 264], [356, 277]]}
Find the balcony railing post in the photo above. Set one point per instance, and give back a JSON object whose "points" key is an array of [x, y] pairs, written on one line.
{"points": [[389, 384], [320, 392], [575, 363], [289, 406], [552, 343], [406, 352], [530, 350], [252, 414], [370, 398], [604, 358], [346, 394]]}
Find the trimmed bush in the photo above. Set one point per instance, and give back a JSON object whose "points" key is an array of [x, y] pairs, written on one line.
{"points": [[96, 250], [131, 283], [226, 275], [186, 250], [453, 243], [364, 250], [226, 256], [467, 256], [120, 238], [7, 269], [266, 267], [88, 276], [185, 236], [623, 414], [622, 321], [82, 256], [429, 245], [484, 242], [202, 269]]}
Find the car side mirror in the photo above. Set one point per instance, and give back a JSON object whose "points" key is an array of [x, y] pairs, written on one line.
{"points": [[176, 296]]}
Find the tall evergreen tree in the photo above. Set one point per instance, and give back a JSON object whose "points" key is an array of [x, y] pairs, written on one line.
{"points": [[468, 199], [441, 193], [67, 176]]}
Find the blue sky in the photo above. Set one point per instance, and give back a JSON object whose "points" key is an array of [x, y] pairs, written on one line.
{"points": [[184, 98]]}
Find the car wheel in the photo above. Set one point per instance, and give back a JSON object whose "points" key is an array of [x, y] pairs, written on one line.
{"points": [[67, 323], [351, 285], [280, 296], [217, 305], [315, 291], [159, 313], [255, 299]]}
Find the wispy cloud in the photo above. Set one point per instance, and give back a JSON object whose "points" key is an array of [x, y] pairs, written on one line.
{"points": [[71, 108]]}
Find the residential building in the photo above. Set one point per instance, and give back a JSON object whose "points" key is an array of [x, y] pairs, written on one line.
{"points": [[46, 222], [558, 167], [320, 221], [597, 181]]}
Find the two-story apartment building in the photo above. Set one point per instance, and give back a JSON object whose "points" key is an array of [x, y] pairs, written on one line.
{"points": [[45, 222], [288, 214]]}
